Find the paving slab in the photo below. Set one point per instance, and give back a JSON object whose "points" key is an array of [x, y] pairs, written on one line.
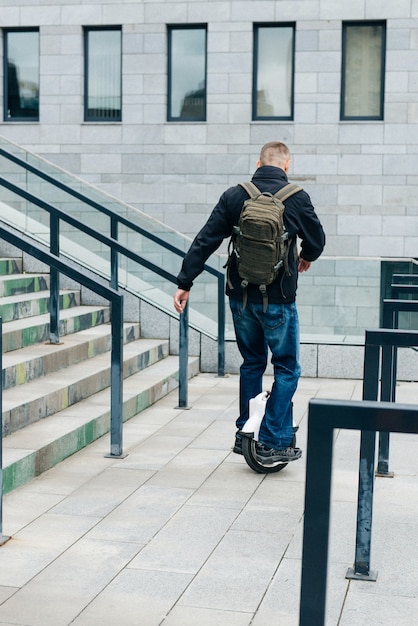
{"points": [[181, 531]]}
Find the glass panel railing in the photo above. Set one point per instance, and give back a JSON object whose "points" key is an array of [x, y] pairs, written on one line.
{"points": [[61, 199], [80, 246], [342, 297], [337, 298]]}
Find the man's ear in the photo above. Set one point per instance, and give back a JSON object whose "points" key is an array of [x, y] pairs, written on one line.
{"points": [[258, 164], [286, 166]]}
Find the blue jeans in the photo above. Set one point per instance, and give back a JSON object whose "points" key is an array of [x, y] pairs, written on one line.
{"points": [[256, 331]]}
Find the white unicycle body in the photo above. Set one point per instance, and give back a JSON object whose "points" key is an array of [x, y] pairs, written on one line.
{"points": [[250, 432]]}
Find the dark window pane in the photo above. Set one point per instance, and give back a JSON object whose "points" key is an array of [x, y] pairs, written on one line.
{"points": [[273, 72], [363, 71], [187, 74], [21, 75], [103, 75]]}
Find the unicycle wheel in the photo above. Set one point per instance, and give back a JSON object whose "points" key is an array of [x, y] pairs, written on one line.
{"points": [[250, 455], [249, 452]]}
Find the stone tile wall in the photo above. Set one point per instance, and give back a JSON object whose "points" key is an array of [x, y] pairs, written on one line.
{"points": [[362, 176]]}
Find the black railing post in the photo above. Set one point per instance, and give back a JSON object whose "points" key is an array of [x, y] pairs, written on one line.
{"points": [[388, 383], [361, 567], [316, 524], [371, 369], [221, 325], [116, 374], [387, 394], [183, 356], [54, 288], [391, 309], [114, 261]]}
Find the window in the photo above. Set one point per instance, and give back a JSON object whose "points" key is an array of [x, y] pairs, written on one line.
{"points": [[363, 70], [21, 75], [186, 99], [103, 74], [273, 71]]}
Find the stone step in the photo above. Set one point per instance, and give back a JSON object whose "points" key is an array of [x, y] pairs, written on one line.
{"points": [[56, 397], [19, 334], [28, 305], [10, 266], [34, 361], [56, 391], [14, 284], [38, 447]]}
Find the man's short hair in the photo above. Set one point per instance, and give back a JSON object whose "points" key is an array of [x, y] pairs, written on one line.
{"points": [[273, 153]]}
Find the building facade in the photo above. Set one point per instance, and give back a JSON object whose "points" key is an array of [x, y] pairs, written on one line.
{"points": [[164, 104], [360, 167]]}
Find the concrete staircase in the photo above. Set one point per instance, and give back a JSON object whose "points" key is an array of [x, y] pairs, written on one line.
{"points": [[56, 398]]}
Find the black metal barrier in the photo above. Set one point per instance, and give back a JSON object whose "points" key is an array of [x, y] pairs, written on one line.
{"points": [[376, 344], [391, 310], [183, 357], [323, 417]]}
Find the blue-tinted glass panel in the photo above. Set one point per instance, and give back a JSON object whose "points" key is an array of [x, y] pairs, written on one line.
{"points": [[273, 72], [21, 75], [187, 74], [362, 92], [103, 98]]}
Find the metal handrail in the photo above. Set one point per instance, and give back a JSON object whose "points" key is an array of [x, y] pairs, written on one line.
{"points": [[324, 416], [375, 343], [116, 302], [115, 247]]}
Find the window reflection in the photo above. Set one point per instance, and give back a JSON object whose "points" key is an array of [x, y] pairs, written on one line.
{"points": [[21, 70], [103, 75], [187, 74], [363, 73], [273, 72]]}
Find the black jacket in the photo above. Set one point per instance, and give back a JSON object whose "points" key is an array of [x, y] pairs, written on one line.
{"points": [[300, 220]]}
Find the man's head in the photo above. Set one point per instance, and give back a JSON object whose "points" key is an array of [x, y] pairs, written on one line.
{"points": [[275, 153]]}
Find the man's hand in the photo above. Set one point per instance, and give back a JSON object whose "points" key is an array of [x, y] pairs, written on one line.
{"points": [[304, 265], [180, 298]]}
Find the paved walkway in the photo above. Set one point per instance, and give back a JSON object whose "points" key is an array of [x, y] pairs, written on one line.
{"points": [[182, 532]]}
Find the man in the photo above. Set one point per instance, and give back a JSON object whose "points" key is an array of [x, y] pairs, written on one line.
{"points": [[257, 330]]}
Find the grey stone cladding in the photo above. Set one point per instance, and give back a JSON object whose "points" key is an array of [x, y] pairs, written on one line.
{"points": [[362, 176]]}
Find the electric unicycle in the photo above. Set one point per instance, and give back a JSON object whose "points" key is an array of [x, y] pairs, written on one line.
{"points": [[249, 435]]}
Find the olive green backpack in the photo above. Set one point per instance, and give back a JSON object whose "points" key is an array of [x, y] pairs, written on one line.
{"points": [[260, 242]]}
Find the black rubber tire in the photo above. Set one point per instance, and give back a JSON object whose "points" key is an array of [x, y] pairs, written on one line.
{"points": [[248, 450]]}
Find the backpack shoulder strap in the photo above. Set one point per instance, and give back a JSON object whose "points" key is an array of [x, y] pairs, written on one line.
{"points": [[288, 190], [251, 189]]}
